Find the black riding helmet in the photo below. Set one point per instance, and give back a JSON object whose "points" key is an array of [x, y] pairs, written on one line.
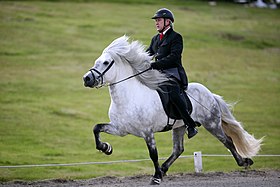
{"points": [[164, 13]]}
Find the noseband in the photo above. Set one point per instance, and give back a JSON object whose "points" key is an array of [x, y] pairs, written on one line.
{"points": [[100, 75]]}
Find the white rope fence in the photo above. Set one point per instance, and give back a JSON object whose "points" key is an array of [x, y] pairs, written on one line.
{"points": [[197, 160]]}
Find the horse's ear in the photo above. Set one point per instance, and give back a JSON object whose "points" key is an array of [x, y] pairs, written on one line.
{"points": [[124, 37]]}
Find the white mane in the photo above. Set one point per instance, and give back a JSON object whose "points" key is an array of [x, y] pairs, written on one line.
{"points": [[134, 54]]}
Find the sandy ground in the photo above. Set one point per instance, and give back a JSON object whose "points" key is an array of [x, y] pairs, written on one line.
{"points": [[270, 178]]}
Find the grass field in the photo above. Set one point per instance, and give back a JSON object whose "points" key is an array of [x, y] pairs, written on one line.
{"points": [[47, 115]]}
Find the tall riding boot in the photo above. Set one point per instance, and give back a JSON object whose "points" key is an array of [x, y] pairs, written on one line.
{"points": [[181, 105], [190, 126]]}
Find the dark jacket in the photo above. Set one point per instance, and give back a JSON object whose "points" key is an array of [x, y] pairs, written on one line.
{"points": [[168, 54]]}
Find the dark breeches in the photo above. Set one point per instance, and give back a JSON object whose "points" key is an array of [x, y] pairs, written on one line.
{"points": [[177, 98]]}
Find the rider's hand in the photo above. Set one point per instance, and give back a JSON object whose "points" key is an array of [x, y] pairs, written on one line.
{"points": [[155, 65]]}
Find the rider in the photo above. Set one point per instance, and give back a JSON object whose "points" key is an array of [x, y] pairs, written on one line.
{"points": [[167, 47]]}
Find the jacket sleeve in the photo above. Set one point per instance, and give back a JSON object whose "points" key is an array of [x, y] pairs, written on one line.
{"points": [[174, 58]]}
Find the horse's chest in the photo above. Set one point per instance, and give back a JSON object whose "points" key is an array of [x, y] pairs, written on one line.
{"points": [[128, 111], [132, 113]]}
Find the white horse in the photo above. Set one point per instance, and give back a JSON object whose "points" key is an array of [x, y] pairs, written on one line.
{"points": [[136, 107]]}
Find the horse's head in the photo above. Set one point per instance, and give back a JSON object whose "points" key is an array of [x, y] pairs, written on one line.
{"points": [[95, 76], [128, 57]]}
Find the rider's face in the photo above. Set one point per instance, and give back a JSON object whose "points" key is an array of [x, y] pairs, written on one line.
{"points": [[159, 22]]}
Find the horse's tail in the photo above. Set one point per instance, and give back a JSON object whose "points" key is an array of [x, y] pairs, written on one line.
{"points": [[246, 145]]}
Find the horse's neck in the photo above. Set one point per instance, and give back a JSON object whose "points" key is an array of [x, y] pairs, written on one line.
{"points": [[129, 91]]}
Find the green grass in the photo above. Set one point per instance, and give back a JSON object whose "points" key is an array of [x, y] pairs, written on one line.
{"points": [[47, 115]]}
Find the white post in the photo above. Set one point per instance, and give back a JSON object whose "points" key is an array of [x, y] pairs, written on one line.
{"points": [[197, 162]]}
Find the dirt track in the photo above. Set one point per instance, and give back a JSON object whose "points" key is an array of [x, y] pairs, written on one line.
{"points": [[269, 178]]}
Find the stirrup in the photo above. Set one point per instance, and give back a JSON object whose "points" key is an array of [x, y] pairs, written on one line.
{"points": [[197, 124]]}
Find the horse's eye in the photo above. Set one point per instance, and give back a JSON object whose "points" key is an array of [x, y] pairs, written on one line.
{"points": [[106, 63]]}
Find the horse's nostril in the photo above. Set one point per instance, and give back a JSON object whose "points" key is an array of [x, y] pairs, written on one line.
{"points": [[87, 79]]}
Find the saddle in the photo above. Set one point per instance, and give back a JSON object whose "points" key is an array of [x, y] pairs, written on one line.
{"points": [[171, 110]]}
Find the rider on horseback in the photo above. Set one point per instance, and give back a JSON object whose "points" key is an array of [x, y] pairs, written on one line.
{"points": [[167, 47]]}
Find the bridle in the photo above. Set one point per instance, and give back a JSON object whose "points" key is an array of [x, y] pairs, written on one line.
{"points": [[100, 75]]}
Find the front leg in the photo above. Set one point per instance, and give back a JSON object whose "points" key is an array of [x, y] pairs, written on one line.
{"points": [[104, 147], [151, 144]]}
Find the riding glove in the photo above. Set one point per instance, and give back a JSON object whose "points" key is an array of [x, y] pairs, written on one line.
{"points": [[155, 65]]}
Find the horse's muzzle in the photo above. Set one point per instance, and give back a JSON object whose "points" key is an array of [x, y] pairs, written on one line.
{"points": [[89, 80]]}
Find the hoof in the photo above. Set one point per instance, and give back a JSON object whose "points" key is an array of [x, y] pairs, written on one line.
{"points": [[108, 150], [155, 181], [163, 171], [248, 163]]}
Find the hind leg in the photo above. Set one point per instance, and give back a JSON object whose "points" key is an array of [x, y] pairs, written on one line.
{"points": [[246, 162], [178, 148], [217, 131]]}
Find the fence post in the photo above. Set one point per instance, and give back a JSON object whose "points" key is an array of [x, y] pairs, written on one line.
{"points": [[197, 162]]}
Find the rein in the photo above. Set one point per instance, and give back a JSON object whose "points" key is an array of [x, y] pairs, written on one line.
{"points": [[100, 75], [112, 84]]}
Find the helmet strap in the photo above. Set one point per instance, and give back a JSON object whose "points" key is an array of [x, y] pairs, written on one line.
{"points": [[164, 26]]}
